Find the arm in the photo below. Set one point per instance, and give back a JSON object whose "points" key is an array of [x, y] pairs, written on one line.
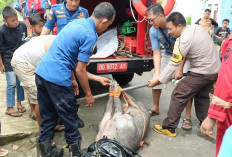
{"points": [[48, 44], [198, 21], [156, 51], [49, 25], [103, 80], [74, 84], [2, 67], [181, 49], [157, 62], [221, 96], [214, 23], [179, 72], [1, 64], [81, 73], [45, 31], [217, 33]]}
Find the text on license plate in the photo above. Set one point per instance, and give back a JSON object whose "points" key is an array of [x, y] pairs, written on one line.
{"points": [[111, 67]]}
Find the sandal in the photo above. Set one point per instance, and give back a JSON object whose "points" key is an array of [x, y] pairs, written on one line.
{"points": [[3, 152], [21, 110], [153, 113], [187, 124], [59, 128], [14, 114], [32, 117]]}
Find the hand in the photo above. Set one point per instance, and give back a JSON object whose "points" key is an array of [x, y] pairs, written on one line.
{"points": [[207, 125], [2, 68], [90, 100], [219, 102], [104, 81], [153, 83], [75, 87], [178, 74]]}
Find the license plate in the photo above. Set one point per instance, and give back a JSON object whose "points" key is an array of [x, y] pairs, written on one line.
{"points": [[111, 67]]}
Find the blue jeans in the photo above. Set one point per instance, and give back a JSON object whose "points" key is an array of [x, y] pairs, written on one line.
{"points": [[57, 102], [12, 82]]}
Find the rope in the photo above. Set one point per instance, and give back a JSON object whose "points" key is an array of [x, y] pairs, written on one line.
{"points": [[122, 49], [144, 124], [134, 14], [99, 155], [115, 94]]}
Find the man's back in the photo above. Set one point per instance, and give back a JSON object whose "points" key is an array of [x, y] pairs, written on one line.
{"points": [[61, 58], [32, 51]]}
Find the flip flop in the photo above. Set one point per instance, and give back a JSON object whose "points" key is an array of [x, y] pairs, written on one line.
{"points": [[3, 152], [21, 110], [187, 122], [32, 117], [153, 113], [14, 114], [59, 128]]}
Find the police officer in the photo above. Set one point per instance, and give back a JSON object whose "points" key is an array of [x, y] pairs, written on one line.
{"points": [[68, 54], [62, 14]]}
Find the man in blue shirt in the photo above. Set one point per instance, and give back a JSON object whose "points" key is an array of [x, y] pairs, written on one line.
{"points": [[68, 54], [62, 14], [159, 34]]}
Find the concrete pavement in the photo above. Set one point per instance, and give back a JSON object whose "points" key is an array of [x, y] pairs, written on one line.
{"points": [[21, 131]]}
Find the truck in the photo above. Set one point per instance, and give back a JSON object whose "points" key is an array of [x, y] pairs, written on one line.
{"points": [[135, 56]]}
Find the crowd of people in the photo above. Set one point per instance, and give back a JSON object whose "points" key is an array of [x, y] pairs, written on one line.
{"points": [[51, 69]]}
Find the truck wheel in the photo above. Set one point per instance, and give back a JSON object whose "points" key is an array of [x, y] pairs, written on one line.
{"points": [[123, 79]]}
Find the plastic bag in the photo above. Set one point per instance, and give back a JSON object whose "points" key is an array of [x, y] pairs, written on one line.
{"points": [[109, 148]]}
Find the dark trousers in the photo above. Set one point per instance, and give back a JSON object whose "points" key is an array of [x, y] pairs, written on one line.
{"points": [[57, 102], [195, 86]]}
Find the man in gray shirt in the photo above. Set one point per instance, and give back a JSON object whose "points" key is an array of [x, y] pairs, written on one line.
{"points": [[195, 45]]}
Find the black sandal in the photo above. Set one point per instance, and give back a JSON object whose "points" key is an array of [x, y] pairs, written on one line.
{"points": [[153, 113], [21, 110], [187, 122]]}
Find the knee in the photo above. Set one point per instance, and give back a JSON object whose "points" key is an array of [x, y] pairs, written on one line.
{"points": [[11, 82]]}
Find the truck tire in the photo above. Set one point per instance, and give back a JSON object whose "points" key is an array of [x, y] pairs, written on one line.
{"points": [[123, 79]]}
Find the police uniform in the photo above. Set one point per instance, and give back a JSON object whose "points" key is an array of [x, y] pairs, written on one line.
{"points": [[53, 78], [196, 45], [60, 14]]}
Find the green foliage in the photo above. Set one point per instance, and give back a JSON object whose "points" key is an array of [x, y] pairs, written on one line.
{"points": [[2, 4], [188, 20]]}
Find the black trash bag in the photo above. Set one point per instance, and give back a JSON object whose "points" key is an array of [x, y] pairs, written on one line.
{"points": [[108, 148]]}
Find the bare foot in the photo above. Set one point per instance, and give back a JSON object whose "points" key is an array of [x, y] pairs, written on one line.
{"points": [[3, 152]]}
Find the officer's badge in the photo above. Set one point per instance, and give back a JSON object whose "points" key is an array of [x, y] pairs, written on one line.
{"points": [[50, 15], [81, 15], [176, 54], [60, 12]]}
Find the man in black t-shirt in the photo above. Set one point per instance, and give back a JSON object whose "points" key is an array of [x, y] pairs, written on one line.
{"points": [[12, 35], [222, 32]]}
